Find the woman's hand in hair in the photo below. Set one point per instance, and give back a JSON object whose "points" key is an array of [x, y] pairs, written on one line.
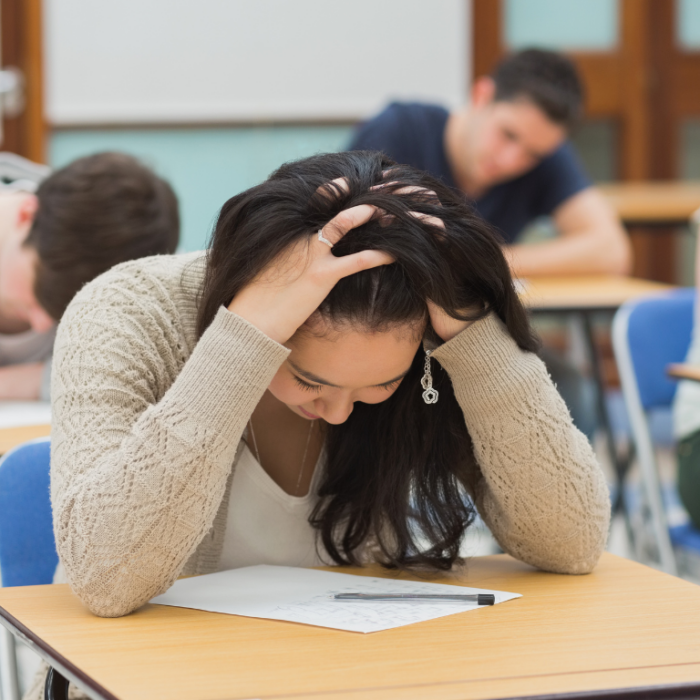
{"points": [[443, 324], [283, 296]]}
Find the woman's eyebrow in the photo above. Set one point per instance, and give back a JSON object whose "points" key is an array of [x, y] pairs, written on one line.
{"points": [[314, 378]]}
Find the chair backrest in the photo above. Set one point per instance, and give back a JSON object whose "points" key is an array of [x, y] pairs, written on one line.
{"points": [[27, 546], [659, 330], [648, 335]]}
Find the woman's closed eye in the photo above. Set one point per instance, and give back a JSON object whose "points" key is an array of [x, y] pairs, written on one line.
{"points": [[389, 386], [305, 385]]}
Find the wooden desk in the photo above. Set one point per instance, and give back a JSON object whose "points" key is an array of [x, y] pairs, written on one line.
{"points": [[11, 437], [624, 626], [585, 293], [660, 203]]}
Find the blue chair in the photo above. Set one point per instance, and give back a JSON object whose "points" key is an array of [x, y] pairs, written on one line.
{"points": [[648, 335], [27, 547]]}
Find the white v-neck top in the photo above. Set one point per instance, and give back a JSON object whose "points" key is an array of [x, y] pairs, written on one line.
{"points": [[266, 525]]}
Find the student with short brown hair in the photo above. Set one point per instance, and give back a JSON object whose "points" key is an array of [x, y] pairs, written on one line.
{"points": [[85, 218]]}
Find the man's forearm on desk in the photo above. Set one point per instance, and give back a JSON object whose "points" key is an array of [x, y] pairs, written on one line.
{"points": [[562, 256], [590, 241]]}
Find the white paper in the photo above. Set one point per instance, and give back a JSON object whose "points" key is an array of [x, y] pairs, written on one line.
{"points": [[14, 414], [306, 596]]}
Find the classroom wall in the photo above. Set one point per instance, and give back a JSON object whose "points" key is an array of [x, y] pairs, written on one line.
{"points": [[216, 94], [203, 61]]}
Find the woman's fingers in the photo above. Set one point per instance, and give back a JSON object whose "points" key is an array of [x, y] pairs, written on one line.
{"points": [[347, 220], [335, 229], [353, 217], [333, 188], [428, 219], [430, 195], [357, 262], [443, 324], [388, 219]]}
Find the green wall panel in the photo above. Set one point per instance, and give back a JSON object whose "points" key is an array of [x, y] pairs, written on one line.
{"points": [[205, 166], [561, 24], [688, 24]]}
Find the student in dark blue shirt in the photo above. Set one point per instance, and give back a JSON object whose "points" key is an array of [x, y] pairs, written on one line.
{"points": [[508, 151]]}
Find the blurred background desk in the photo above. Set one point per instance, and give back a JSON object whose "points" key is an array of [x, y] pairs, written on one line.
{"points": [[21, 421], [658, 215], [585, 293], [654, 203], [11, 437]]}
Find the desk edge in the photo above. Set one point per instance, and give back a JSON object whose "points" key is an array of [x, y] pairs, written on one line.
{"points": [[65, 667], [677, 691]]}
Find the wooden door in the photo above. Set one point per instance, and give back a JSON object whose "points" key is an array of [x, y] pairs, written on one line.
{"points": [[21, 34], [628, 84], [676, 81]]}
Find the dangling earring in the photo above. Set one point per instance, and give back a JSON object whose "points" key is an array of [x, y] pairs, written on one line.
{"points": [[430, 395]]}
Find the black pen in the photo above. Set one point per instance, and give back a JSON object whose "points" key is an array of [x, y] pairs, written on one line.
{"points": [[478, 598]]}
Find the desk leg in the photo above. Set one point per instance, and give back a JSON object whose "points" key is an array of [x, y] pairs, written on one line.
{"points": [[620, 464], [56, 686]]}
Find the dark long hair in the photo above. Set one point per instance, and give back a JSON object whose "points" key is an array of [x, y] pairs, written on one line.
{"points": [[399, 472]]}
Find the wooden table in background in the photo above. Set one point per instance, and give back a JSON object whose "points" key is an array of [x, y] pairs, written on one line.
{"points": [[11, 437], [624, 626], [585, 293], [653, 203]]}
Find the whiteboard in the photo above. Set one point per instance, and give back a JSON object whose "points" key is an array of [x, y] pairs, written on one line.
{"points": [[208, 61]]}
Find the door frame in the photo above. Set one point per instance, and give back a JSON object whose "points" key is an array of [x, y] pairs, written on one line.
{"points": [[21, 45]]}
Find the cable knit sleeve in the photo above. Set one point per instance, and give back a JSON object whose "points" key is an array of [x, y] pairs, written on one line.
{"points": [[144, 436], [542, 492]]}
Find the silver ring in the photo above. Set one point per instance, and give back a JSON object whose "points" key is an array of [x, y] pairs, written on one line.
{"points": [[323, 239]]}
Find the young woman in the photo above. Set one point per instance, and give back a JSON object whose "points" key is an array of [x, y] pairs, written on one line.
{"points": [[344, 373]]}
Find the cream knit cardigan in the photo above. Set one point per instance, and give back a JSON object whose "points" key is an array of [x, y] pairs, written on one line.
{"points": [[147, 423]]}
